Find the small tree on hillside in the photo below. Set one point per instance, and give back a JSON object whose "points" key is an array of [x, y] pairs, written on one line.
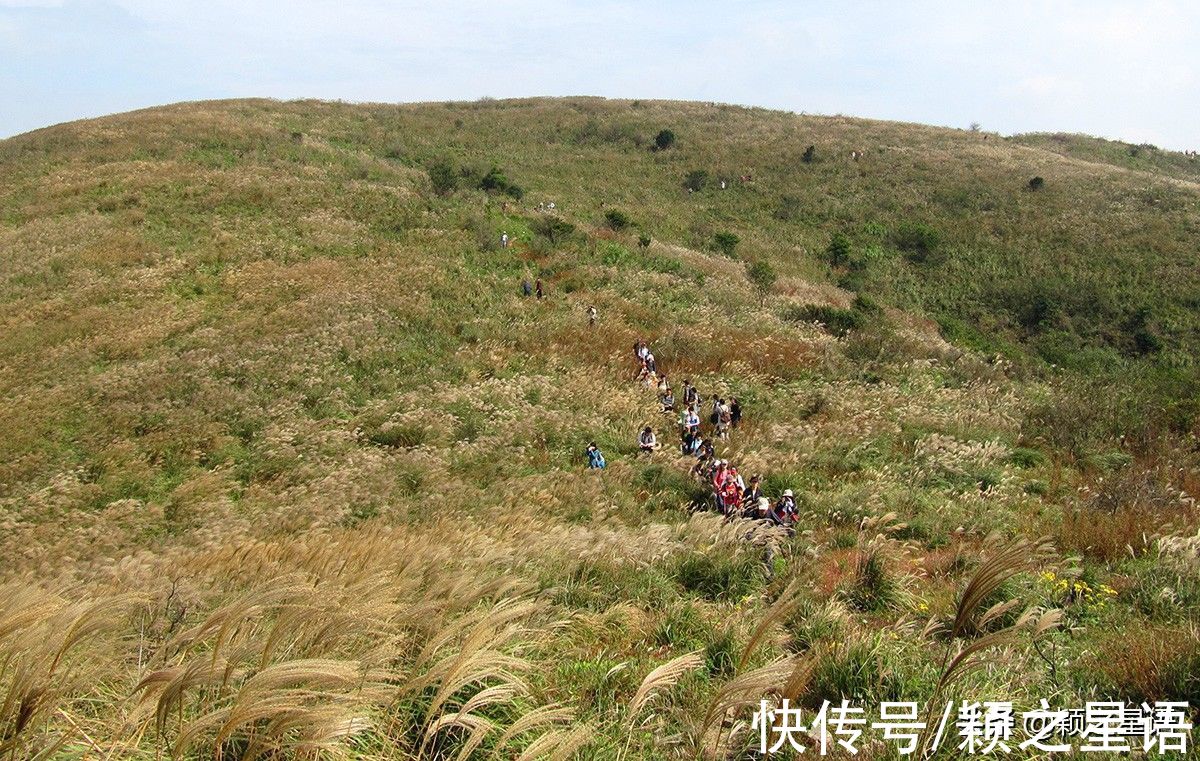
{"points": [[664, 140], [644, 240], [443, 177], [495, 181], [726, 243], [1037, 183], [809, 154], [839, 250], [762, 275]]}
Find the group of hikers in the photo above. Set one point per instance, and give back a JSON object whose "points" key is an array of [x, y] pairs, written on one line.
{"points": [[733, 497]]}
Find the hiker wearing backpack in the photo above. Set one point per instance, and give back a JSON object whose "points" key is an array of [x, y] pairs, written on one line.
{"points": [[647, 442], [690, 396], [705, 456], [724, 418], [668, 401], [691, 421], [689, 443], [591, 315], [640, 350], [735, 412]]}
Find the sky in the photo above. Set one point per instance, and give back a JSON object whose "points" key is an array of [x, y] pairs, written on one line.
{"points": [[1121, 70]]}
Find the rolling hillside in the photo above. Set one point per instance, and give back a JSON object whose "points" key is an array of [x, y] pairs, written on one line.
{"points": [[288, 462]]}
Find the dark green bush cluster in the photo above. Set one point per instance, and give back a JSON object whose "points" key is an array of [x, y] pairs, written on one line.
{"points": [[696, 180], [839, 250], [616, 219], [594, 133], [496, 182], [874, 587], [726, 243], [443, 177], [553, 229], [664, 140], [836, 320], [719, 576], [917, 240]]}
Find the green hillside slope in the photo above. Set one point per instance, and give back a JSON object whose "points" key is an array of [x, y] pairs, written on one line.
{"points": [[288, 461]]}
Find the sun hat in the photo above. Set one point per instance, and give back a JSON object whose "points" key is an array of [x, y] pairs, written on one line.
{"points": [[788, 493]]}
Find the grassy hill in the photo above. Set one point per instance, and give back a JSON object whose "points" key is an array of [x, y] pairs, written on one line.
{"points": [[288, 461]]}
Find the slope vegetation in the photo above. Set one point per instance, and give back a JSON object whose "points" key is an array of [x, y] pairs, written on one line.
{"points": [[288, 462]]}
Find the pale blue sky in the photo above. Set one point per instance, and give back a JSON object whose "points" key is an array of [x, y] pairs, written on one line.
{"points": [[1128, 70]]}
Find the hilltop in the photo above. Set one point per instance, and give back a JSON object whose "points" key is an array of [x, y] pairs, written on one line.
{"points": [[281, 433]]}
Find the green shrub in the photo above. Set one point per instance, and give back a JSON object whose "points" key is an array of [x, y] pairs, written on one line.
{"points": [[813, 624], [866, 305], [616, 220], [360, 513], [644, 241], [682, 627], [443, 177], [696, 180], [1037, 488], [838, 250], [809, 154], [1037, 183], [719, 576], [721, 653], [554, 229], [917, 239], [664, 140], [857, 671], [836, 320], [495, 182], [613, 254], [726, 243], [874, 586], [1024, 457], [762, 275]]}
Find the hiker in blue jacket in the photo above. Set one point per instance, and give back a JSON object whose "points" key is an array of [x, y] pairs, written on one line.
{"points": [[595, 457]]}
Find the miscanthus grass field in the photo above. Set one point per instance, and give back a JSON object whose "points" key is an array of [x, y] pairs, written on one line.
{"points": [[291, 468]]}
